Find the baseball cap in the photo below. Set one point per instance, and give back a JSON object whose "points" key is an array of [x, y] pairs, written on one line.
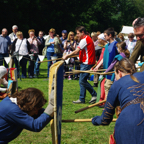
{"points": [[64, 31]]}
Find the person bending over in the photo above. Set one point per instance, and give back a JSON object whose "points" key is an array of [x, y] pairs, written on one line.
{"points": [[23, 110]]}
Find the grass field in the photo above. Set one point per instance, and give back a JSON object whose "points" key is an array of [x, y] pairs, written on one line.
{"points": [[72, 133]]}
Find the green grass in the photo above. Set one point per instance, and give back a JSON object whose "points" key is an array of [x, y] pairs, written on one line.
{"points": [[72, 133]]}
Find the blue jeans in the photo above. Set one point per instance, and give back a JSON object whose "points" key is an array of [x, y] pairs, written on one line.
{"points": [[49, 54], [2, 59], [84, 85], [23, 64], [37, 65]]}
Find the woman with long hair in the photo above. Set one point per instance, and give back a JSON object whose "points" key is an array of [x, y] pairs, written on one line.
{"points": [[127, 92], [69, 46]]}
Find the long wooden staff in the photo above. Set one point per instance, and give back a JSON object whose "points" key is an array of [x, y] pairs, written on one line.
{"points": [[58, 59], [82, 120], [90, 106], [92, 72]]}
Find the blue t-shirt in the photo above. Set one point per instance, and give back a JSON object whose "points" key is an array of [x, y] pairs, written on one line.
{"points": [[51, 47], [109, 54]]}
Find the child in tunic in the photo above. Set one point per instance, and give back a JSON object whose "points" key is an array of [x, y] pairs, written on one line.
{"points": [[123, 53]]}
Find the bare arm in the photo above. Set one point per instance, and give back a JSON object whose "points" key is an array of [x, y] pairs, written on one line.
{"points": [[73, 53], [98, 66]]}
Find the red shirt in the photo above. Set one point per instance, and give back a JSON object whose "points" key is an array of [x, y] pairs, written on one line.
{"points": [[87, 51]]}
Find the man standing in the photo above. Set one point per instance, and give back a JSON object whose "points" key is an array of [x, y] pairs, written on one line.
{"points": [[5, 42], [87, 58], [63, 38], [13, 37], [138, 25], [40, 47]]}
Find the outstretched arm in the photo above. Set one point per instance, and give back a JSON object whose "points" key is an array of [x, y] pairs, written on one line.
{"points": [[98, 66], [73, 53]]}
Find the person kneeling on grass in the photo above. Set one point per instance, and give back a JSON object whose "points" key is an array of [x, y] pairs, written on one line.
{"points": [[3, 73], [23, 110], [128, 91]]}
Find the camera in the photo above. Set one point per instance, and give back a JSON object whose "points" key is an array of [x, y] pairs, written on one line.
{"points": [[68, 40]]}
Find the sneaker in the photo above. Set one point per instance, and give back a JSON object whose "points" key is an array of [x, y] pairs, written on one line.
{"points": [[78, 102], [75, 78], [30, 76], [95, 85], [93, 100]]}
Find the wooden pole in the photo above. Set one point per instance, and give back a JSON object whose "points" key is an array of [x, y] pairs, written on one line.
{"points": [[92, 72], [82, 120], [58, 59], [90, 106]]}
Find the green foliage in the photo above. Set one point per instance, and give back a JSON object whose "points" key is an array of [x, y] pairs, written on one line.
{"points": [[63, 14]]}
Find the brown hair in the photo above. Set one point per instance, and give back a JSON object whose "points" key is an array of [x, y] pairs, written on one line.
{"points": [[98, 33], [52, 30], [31, 30], [29, 98], [80, 29], [122, 47], [110, 31], [130, 35], [120, 35], [126, 66]]}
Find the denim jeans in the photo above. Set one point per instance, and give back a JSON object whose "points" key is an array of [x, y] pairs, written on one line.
{"points": [[37, 65], [2, 59], [84, 85], [23, 64], [49, 54]]}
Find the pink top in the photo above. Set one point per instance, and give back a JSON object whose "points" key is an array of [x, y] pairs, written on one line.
{"points": [[34, 45]]}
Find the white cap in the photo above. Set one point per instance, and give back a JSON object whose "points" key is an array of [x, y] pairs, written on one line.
{"points": [[3, 71], [101, 36]]}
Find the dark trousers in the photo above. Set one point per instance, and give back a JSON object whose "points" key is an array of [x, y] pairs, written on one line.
{"points": [[2, 59], [23, 64], [31, 65]]}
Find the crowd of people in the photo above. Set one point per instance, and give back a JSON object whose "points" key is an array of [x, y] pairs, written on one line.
{"points": [[54, 46], [23, 110]]}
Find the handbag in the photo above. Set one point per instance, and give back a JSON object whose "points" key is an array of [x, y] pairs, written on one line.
{"points": [[44, 51]]}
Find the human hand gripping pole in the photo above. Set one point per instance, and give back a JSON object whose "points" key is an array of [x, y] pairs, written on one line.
{"points": [[50, 108]]}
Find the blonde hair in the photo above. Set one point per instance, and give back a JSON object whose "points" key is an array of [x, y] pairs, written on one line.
{"points": [[31, 30], [52, 30], [70, 33], [93, 34], [126, 66], [19, 33]]}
